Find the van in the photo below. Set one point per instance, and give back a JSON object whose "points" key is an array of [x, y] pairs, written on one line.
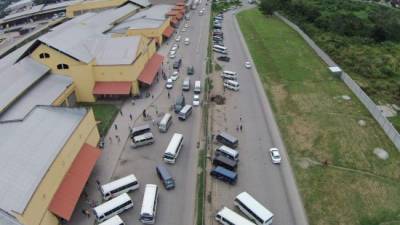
{"points": [[227, 139], [227, 163], [232, 85], [165, 123], [223, 52], [179, 103], [185, 112], [229, 76], [197, 87], [223, 174], [166, 178], [186, 84], [138, 130], [142, 140], [227, 152], [230, 73]]}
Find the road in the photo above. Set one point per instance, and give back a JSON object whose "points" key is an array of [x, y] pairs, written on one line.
{"points": [[175, 207], [272, 185]]}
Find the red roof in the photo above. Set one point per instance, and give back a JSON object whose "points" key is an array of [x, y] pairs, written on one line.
{"points": [[172, 13], [168, 31], [174, 21], [67, 195], [180, 4], [150, 69], [112, 88], [178, 7], [179, 16]]}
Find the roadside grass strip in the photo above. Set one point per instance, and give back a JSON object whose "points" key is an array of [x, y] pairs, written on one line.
{"points": [[105, 113], [340, 179]]}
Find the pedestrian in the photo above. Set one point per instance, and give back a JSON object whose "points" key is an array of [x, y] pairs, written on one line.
{"points": [[241, 127], [85, 194], [83, 212], [115, 126], [87, 212], [154, 122], [168, 94], [118, 139], [152, 96], [144, 113], [130, 116], [237, 128], [98, 182], [120, 112], [110, 139], [240, 119]]}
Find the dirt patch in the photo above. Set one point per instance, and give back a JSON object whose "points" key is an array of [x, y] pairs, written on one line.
{"points": [[279, 92], [303, 133]]}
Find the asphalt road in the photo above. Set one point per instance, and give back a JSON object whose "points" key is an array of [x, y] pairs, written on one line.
{"points": [[175, 207], [268, 183]]}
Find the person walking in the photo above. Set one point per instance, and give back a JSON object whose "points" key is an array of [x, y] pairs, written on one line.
{"points": [[168, 94], [130, 116], [110, 139], [115, 126], [241, 127], [120, 112]]}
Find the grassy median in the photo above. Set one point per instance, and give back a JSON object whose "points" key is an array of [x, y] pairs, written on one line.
{"points": [[104, 113], [340, 179]]}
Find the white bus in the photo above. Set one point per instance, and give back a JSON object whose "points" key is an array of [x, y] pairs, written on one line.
{"points": [[149, 205], [112, 207], [143, 139], [165, 122], [115, 220], [228, 217], [253, 209], [220, 47], [173, 149], [117, 187], [185, 112], [228, 152]]}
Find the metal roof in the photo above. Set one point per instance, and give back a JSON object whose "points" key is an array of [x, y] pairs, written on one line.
{"points": [[143, 3], [34, 9], [28, 148], [11, 58], [7, 219], [17, 78], [45, 92]]}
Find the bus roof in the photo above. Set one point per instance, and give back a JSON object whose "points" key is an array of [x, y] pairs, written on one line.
{"points": [[115, 220], [256, 207], [165, 118], [118, 183], [234, 217], [143, 136], [186, 108], [228, 150], [101, 209], [228, 136], [148, 199], [139, 128], [174, 143]]}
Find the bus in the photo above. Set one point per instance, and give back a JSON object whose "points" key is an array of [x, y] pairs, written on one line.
{"points": [[227, 152], [227, 216], [149, 205], [140, 130], [112, 207], [165, 123], [220, 47], [253, 209], [143, 139], [117, 187], [115, 220], [227, 139], [173, 149], [185, 112]]}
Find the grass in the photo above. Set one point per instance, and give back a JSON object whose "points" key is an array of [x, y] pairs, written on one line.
{"points": [[317, 125], [105, 113]]}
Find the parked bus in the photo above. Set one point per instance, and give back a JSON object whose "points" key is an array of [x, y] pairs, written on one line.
{"points": [[227, 152], [220, 47], [185, 112], [166, 177], [140, 130], [115, 220], [149, 205], [227, 216], [112, 207], [223, 174], [173, 149], [165, 122], [253, 209], [143, 139], [227, 163], [227, 139], [120, 186]]}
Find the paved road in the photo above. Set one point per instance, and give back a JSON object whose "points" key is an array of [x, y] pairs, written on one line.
{"points": [[271, 184]]}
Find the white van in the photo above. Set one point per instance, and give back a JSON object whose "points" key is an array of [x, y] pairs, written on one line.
{"points": [[143, 139], [197, 87], [112, 207], [230, 73], [173, 149], [232, 85], [149, 205], [228, 77], [165, 123], [185, 112], [119, 186], [115, 220], [186, 84], [228, 152]]}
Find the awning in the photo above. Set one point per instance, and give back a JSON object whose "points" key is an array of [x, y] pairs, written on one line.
{"points": [[174, 21], [180, 4], [178, 7], [179, 16], [172, 13], [67, 195], [150, 69], [168, 31], [112, 88]]}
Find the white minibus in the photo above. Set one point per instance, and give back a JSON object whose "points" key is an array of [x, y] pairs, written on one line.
{"points": [[173, 149], [115, 220], [227, 216], [227, 152], [232, 85], [165, 122], [220, 47], [140, 130], [143, 139], [112, 207], [117, 187], [230, 73], [149, 205], [253, 209], [197, 87], [185, 112]]}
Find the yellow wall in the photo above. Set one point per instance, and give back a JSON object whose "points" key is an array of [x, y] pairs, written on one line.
{"points": [[64, 96], [86, 6], [150, 33], [36, 212]]}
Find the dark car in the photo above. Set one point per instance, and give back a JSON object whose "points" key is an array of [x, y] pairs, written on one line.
{"points": [[190, 70], [177, 64], [224, 58]]}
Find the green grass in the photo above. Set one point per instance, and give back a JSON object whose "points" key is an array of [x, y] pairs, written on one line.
{"points": [[317, 125], [105, 113]]}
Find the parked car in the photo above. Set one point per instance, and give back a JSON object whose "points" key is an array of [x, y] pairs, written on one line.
{"points": [[190, 70], [224, 58], [275, 155], [175, 75], [169, 83], [186, 25], [196, 100], [178, 38], [247, 64], [177, 64], [187, 41], [184, 30]]}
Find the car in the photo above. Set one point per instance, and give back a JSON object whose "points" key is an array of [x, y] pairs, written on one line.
{"points": [[175, 75], [172, 55], [275, 155], [224, 58], [196, 100], [174, 48], [169, 83], [177, 64], [183, 30], [190, 70], [178, 38], [247, 64], [186, 25], [186, 41], [201, 12]]}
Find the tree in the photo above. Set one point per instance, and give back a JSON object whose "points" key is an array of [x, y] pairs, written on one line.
{"points": [[269, 6]]}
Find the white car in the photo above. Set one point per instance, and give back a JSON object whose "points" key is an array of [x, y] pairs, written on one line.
{"points": [[172, 55], [186, 41], [174, 47], [247, 64], [186, 25], [169, 84], [178, 38], [275, 155], [183, 30], [196, 100], [174, 76]]}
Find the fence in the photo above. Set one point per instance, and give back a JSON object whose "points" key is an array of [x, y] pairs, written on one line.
{"points": [[386, 125]]}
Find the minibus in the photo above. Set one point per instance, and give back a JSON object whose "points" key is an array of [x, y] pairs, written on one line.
{"points": [[253, 209], [166, 177], [230, 73], [112, 207], [232, 85], [143, 139], [165, 122], [149, 205], [119, 186], [173, 149], [224, 52], [223, 174], [186, 84], [115, 220], [227, 139], [179, 103], [185, 112], [227, 216], [197, 87], [140, 130], [227, 152], [220, 47], [220, 160]]}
